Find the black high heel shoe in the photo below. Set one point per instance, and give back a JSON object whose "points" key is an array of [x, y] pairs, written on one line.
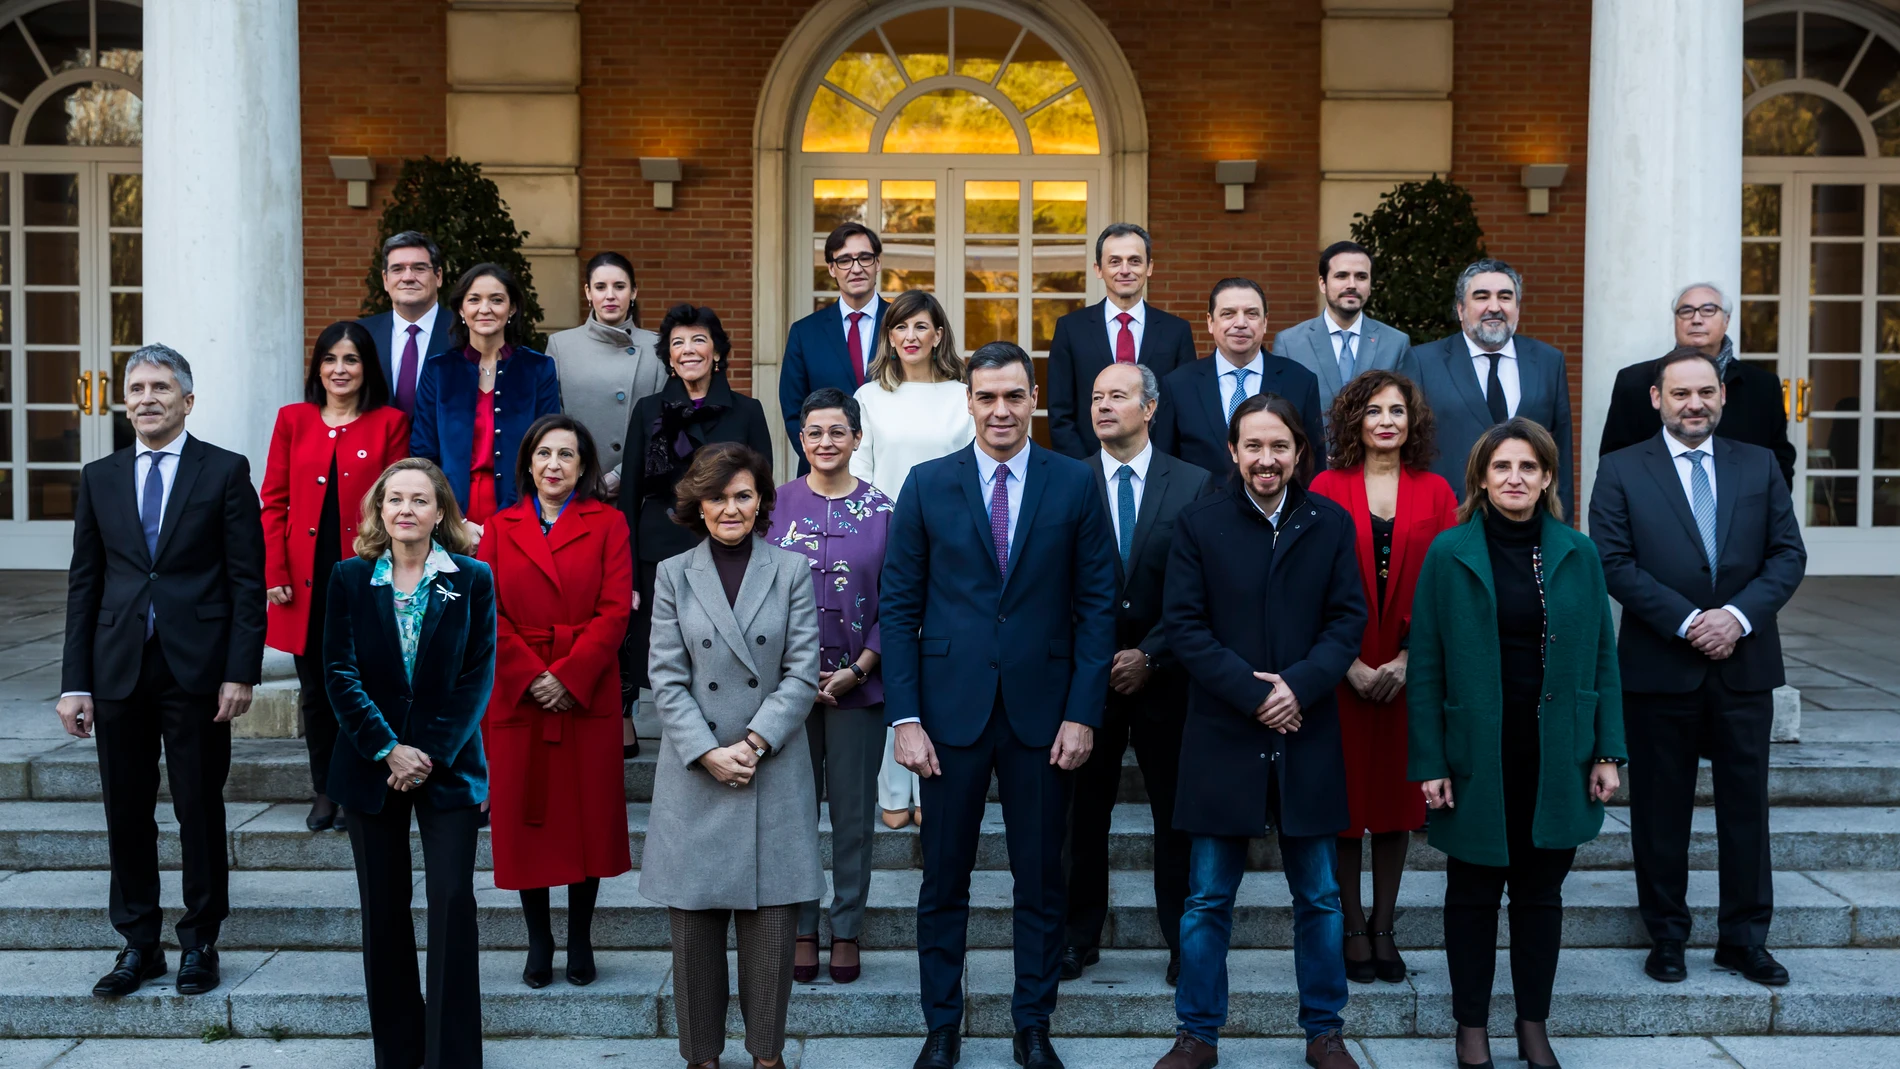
{"points": [[1518, 1028], [539, 972], [1462, 1064], [1359, 972], [1393, 971]]}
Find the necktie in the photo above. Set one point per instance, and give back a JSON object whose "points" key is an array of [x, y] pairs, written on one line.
{"points": [[1125, 341], [1240, 392], [1345, 356], [855, 346], [406, 374], [1125, 511], [999, 520], [151, 516], [1494, 393], [1702, 503]]}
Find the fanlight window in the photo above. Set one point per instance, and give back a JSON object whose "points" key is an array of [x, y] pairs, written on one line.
{"points": [[951, 80], [1817, 84], [69, 74]]}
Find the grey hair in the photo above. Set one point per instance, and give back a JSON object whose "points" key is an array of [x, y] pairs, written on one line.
{"points": [[1483, 267], [1721, 298], [161, 356], [1150, 384]]}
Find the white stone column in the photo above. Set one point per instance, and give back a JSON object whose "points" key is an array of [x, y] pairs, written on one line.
{"points": [[224, 209], [1665, 181]]}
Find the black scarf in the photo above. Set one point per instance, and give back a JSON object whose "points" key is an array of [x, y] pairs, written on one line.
{"points": [[676, 415]]}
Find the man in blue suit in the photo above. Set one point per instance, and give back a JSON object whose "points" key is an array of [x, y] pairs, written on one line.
{"points": [[836, 344], [413, 331], [997, 601]]}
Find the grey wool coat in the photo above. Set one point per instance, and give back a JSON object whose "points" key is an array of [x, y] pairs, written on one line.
{"points": [[603, 371], [719, 671]]}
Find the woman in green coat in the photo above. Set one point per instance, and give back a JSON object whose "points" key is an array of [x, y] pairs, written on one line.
{"points": [[1516, 724]]}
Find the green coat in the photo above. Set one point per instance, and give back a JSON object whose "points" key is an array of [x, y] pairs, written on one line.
{"points": [[1456, 700]]}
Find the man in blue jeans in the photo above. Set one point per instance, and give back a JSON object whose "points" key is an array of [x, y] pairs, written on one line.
{"points": [[1264, 608]]}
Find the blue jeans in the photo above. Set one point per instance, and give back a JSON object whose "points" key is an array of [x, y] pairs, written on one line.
{"points": [[1215, 865]]}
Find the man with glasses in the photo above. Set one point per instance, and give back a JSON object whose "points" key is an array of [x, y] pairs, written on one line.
{"points": [[407, 334], [834, 346], [1753, 413]]}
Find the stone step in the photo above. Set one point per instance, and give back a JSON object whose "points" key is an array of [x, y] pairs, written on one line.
{"points": [[317, 910], [1599, 992]]}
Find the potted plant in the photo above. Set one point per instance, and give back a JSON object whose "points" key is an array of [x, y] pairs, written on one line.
{"points": [[1420, 236]]}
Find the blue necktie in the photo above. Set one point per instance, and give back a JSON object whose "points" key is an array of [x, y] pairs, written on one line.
{"points": [[1125, 511], [151, 515], [1702, 503], [1345, 356], [1240, 392]]}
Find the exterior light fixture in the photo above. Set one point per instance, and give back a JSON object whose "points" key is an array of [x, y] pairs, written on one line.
{"points": [[1235, 176], [359, 172], [662, 171], [1538, 179]]}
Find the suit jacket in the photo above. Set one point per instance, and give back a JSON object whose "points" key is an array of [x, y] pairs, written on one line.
{"points": [[1310, 345], [648, 500], [443, 429], [1172, 485], [1457, 400], [1656, 567], [1080, 350], [955, 630], [439, 711], [1242, 600], [816, 356], [1753, 412], [1191, 422], [206, 580], [382, 326]]}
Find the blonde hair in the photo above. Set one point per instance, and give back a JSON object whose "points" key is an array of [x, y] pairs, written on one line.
{"points": [[372, 538], [888, 369], [1478, 464]]}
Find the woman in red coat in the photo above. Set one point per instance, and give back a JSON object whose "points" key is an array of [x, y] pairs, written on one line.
{"points": [[1380, 446], [556, 783], [325, 454]]}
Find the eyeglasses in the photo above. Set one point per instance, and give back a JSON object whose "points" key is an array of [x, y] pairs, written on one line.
{"points": [[840, 435], [863, 259], [1706, 311]]}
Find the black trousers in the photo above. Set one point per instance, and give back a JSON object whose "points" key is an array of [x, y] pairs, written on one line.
{"points": [[445, 1031], [633, 648], [319, 720], [1035, 797], [1154, 726], [159, 714], [1664, 732]]}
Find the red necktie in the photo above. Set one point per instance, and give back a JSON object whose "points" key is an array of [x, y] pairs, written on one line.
{"points": [[855, 347], [1125, 341]]}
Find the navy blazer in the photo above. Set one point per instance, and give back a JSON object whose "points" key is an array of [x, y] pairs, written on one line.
{"points": [[1191, 422], [816, 356], [1655, 566], [382, 326], [955, 630], [443, 426], [1451, 385], [439, 712], [1081, 349]]}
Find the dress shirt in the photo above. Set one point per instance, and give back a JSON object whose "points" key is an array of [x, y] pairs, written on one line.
{"points": [[1273, 518], [1224, 375], [1685, 470], [1333, 327], [1135, 325], [399, 340], [1507, 371], [867, 328], [1109, 468]]}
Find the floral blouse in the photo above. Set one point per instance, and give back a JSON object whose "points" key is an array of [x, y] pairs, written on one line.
{"points": [[413, 606], [844, 539]]}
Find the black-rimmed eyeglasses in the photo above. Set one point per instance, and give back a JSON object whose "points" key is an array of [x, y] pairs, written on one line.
{"points": [[1706, 311], [863, 259]]}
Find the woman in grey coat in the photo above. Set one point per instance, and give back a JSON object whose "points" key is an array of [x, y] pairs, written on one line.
{"points": [[732, 837]]}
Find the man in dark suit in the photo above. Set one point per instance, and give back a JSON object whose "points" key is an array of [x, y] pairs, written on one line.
{"points": [[1342, 341], [1488, 373], [1753, 412], [164, 641], [1265, 611], [1144, 490], [1701, 569], [1199, 398], [1122, 328], [413, 330], [835, 345], [999, 629]]}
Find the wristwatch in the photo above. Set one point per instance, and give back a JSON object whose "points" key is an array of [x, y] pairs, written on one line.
{"points": [[858, 671], [1149, 660]]}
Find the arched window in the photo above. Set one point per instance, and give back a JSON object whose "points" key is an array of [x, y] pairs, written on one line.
{"points": [[69, 73]]}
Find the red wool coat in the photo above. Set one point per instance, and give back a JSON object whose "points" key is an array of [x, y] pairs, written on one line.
{"points": [[556, 782], [1373, 734], [296, 476]]}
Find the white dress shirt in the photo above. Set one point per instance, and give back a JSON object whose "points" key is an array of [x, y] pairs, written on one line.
{"points": [[1685, 470], [399, 340], [1273, 518], [1507, 371], [1333, 327], [867, 330], [1110, 466], [1140, 320], [1224, 372]]}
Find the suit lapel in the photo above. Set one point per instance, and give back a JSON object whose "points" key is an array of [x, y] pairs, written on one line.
{"points": [[525, 531], [1404, 515], [973, 495], [1727, 486], [385, 599], [754, 587], [1108, 502], [1530, 384], [432, 616], [190, 461], [1153, 496], [1325, 364], [120, 485], [1101, 350], [1662, 468], [1457, 357], [1033, 485], [1211, 399], [703, 578]]}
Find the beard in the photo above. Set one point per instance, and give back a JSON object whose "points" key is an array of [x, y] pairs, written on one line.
{"points": [[1492, 332]]}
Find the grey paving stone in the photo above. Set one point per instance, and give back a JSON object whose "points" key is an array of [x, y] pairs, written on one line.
{"points": [[1844, 991], [605, 1053], [1812, 1052], [1800, 837], [269, 910], [224, 1054], [1866, 721], [1093, 1053], [1604, 993], [1852, 697], [881, 1002], [1875, 897], [49, 993], [32, 1053], [16, 764], [275, 838], [1650, 1052]]}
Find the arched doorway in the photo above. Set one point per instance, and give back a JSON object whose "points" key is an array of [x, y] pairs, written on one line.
{"points": [[70, 255], [1820, 297]]}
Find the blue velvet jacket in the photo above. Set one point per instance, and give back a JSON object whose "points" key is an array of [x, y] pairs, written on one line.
{"points": [[443, 426]]}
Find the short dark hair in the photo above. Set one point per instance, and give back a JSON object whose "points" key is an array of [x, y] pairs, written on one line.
{"points": [[1226, 284], [845, 232], [375, 391], [614, 259], [1000, 354], [690, 315], [832, 397], [412, 239], [587, 486], [1336, 248], [1345, 426], [713, 466], [514, 329], [1122, 230], [1288, 413], [1681, 354]]}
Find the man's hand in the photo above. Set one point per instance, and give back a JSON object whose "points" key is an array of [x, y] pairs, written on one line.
{"points": [[75, 712], [234, 700], [1360, 677], [1129, 671], [915, 752], [1388, 679], [1281, 710], [1073, 743], [1715, 633]]}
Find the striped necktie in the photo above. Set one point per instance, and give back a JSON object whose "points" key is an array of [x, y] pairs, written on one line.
{"points": [[1702, 503]]}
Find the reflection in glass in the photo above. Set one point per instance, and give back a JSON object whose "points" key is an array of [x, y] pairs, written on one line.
{"points": [[1761, 211], [6, 482], [1059, 207], [922, 40], [867, 72], [6, 438], [50, 494], [1887, 385], [1833, 443], [1761, 267], [1876, 82], [1887, 443], [51, 199], [52, 319], [991, 207], [834, 124], [1064, 128], [1045, 313], [1889, 220], [837, 201], [1888, 270], [1831, 501], [1835, 385], [1059, 266], [909, 264], [6, 198], [1800, 124], [88, 114], [6, 256], [128, 318], [1834, 267], [128, 199], [1761, 326], [1887, 327], [1834, 326], [52, 258], [991, 266], [988, 319], [1886, 501], [6, 389], [821, 279], [52, 435], [951, 120], [983, 40], [127, 268], [1838, 211], [1036, 74], [50, 374], [1829, 46], [1768, 47], [910, 207]]}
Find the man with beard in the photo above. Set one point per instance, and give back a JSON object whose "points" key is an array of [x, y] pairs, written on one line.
{"points": [[1264, 609], [1487, 373], [1701, 570], [1342, 341]]}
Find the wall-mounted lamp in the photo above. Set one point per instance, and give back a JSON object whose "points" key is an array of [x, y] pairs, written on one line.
{"points": [[1539, 179], [662, 171], [359, 172], [1235, 176]]}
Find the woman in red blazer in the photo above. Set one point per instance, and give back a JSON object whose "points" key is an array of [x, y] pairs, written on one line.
{"points": [[1380, 447], [557, 794], [325, 454]]}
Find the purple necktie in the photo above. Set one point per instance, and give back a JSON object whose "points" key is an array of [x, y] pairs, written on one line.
{"points": [[999, 520], [406, 374]]}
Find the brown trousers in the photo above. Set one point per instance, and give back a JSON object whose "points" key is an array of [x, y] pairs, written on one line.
{"points": [[700, 981]]}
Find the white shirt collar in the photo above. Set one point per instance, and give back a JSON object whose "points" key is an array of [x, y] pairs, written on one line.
{"points": [[1138, 314], [869, 309], [1140, 463], [1334, 325], [1222, 366], [986, 465], [427, 322], [1677, 449], [176, 447], [1274, 518], [1509, 352]]}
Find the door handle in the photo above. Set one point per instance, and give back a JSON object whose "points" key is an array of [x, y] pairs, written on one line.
{"points": [[1785, 415], [82, 393], [1804, 399], [105, 394]]}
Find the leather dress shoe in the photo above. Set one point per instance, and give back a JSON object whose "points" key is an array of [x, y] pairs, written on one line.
{"points": [[1665, 962], [1189, 1053], [1174, 969], [133, 967], [1033, 1050], [1328, 1051], [1752, 961], [942, 1047], [1075, 959], [198, 970]]}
